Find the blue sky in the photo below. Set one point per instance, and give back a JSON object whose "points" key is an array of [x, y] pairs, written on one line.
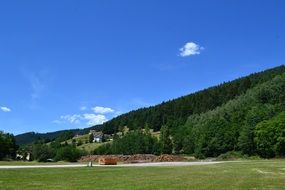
{"points": [[71, 64]]}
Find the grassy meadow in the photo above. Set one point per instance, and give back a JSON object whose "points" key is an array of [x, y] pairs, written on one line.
{"points": [[262, 174]]}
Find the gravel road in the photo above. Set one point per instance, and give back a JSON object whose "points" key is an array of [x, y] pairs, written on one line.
{"points": [[156, 164]]}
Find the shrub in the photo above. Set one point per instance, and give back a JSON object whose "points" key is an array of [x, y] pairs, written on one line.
{"points": [[42, 152], [232, 155], [68, 153], [79, 142]]}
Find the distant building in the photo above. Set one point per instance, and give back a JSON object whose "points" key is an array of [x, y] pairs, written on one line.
{"points": [[97, 136], [24, 156], [19, 156]]}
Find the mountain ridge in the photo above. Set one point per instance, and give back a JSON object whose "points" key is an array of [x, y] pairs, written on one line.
{"points": [[174, 112]]}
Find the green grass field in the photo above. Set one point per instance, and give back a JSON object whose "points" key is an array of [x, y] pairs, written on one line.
{"points": [[263, 174]]}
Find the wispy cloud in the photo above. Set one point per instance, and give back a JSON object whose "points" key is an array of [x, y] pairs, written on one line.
{"points": [[38, 82], [190, 48], [5, 109], [37, 86], [83, 108], [73, 119], [102, 110]]}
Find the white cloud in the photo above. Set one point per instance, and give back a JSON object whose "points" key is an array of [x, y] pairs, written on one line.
{"points": [[90, 119], [93, 119], [102, 110], [190, 48], [5, 109]]}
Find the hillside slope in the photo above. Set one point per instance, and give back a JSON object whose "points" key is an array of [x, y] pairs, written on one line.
{"points": [[173, 113]]}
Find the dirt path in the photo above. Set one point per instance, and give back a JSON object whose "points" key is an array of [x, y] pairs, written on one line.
{"points": [[152, 164], [170, 164]]}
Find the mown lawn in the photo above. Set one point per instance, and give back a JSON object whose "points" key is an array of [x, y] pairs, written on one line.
{"points": [[235, 175]]}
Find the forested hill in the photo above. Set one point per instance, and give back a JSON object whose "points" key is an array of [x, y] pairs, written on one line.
{"points": [[252, 123], [173, 113]]}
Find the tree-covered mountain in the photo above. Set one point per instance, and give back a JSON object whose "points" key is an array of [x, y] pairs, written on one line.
{"points": [[252, 123], [174, 113]]}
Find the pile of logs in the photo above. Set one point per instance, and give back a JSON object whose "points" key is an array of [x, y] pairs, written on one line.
{"points": [[136, 158]]}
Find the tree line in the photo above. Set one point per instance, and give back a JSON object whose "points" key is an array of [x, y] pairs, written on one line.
{"points": [[53, 151], [8, 146], [237, 125], [138, 142]]}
